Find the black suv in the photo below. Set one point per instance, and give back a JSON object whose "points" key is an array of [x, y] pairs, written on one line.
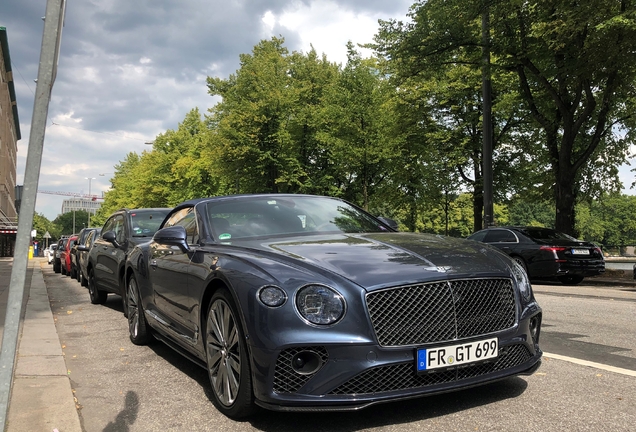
{"points": [[122, 231]]}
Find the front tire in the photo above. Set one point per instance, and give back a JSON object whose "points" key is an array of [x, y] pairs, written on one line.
{"points": [[96, 296], [137, 325], [227, 359], [521, 262]]}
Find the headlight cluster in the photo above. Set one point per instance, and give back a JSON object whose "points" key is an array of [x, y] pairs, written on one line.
{"points": [[521, 278], [320, 304]]}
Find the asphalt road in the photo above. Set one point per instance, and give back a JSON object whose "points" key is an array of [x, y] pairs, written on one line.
{"points": [[122, 387]]}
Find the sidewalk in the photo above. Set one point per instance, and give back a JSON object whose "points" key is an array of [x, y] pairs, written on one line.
{"points": [[41, 399]]}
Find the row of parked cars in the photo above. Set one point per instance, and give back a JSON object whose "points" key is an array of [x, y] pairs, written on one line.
{"points": [[299, 302]]}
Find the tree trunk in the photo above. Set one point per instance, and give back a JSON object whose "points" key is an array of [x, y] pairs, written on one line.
{"points": [[565, 199]]}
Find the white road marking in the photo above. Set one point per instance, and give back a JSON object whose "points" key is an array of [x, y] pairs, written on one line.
{"points": [[591, 364]]}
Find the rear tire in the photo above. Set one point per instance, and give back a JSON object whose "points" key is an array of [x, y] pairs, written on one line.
{"points": [[138, 328], [227, 359], [96, 296]]}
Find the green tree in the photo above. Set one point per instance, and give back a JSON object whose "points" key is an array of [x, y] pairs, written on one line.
{"points": [[608, 220], [42, 225], [71, 222], [574, 69], [251, 120], [358, 119]]}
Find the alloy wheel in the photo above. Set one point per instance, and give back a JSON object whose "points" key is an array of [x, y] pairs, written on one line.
{"points": [[223, 352], [133, 308]]}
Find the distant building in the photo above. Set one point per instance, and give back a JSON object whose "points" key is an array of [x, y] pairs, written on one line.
{"points": [[9, 136], [89, 206]]}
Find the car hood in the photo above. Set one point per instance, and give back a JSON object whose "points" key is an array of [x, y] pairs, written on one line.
{"points": [[378, 260]]}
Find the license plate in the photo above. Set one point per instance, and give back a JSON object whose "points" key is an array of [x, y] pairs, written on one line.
{"points": [[580, 252], [456, 355]]}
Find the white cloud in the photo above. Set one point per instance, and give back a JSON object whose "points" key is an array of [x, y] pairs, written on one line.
{"points": [[328, 26]]}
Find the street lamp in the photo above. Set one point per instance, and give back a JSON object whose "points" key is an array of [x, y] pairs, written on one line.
{"points": [[89, 193]]}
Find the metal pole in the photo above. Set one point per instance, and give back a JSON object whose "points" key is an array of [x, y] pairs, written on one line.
{"points": [[89, 207], [53, 22], [487, 120]]}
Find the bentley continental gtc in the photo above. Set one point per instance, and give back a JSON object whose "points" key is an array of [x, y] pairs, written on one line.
{"points": [[309, 303]]}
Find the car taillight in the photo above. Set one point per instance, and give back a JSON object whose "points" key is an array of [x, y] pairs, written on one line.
{"points": [[554, 250]]}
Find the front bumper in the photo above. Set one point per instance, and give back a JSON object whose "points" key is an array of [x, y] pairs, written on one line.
{"points": [[351, 377]]}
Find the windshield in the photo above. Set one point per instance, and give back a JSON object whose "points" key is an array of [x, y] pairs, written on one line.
{"points": [[246, 217], [146, 222]]}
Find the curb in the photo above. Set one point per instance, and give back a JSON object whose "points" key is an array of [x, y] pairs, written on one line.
{"points": [[42, 398]]}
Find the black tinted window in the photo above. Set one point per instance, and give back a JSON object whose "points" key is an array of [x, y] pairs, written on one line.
{"points": [[478, 236], [500, 236], [146, 222]]}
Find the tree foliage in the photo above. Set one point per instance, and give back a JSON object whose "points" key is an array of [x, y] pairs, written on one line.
{"points": [[575, 73]]}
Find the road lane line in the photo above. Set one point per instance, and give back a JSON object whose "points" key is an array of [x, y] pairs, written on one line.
{"points": [[591, 364]]}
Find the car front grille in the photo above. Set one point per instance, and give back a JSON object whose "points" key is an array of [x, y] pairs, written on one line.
{"points": [[403, 376], [288, 380], [441, 311]]}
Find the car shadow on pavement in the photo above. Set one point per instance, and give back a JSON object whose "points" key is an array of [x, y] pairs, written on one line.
{"points": [[393, 413]]}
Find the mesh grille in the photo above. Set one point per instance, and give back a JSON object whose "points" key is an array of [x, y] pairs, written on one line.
{"points": [[441, 311], [403, 376], [286, 379]]}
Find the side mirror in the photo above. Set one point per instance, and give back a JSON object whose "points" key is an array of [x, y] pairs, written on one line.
{"points": [[390, 222], [174, 235], [82, 248], [111, 237]]}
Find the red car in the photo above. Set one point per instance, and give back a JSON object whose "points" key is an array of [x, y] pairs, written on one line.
{"points": [[65, 254]]}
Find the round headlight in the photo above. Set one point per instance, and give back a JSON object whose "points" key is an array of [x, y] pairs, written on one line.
{"points": [[272, 296], [320, 305], [521, 278]]}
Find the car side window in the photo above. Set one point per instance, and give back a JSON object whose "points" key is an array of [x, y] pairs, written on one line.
{"points": [[190, 224], [176, 217], [120, 229], [109, 225], [500, 236], [478, 236]]}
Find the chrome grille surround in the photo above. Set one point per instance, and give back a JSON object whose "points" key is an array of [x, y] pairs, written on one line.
{"points": [[441, 311], [286, 379], [402, 376]]}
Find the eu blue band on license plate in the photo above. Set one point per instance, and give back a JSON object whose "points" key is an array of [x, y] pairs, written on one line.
{"points": [[456, 355]]}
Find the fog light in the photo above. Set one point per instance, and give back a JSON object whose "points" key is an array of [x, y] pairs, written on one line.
{"points": [[272, 296], [306, 362]]}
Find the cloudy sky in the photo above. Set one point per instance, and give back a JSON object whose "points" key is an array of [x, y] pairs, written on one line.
{"points": [[129, 70]]}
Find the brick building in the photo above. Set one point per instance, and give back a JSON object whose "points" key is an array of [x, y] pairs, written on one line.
{"points": [[9, 136]]}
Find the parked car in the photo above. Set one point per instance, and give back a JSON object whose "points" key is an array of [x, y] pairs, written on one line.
{"points": [[297, 302], [57, 262], [546, 253], [49, 252], [81, 239], [65, 255], [121, 232], [82, 253]]}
